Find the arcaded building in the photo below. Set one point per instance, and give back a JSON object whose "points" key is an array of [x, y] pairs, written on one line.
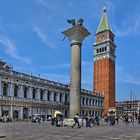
{"points": [[23, 95]]}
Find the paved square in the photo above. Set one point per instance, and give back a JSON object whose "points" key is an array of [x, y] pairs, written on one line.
{"points": [[31, 131]]}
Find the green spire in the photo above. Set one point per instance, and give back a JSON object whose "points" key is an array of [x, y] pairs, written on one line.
{"points": [[104, 23]]}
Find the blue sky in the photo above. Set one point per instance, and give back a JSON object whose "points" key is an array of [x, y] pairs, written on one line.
{"points": [[30, 39]]}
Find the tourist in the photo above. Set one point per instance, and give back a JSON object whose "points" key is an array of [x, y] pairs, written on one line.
{"points": [[76, 120], [97, 120], [139, 119], [92, 120], [112, 120], [117, 119]]}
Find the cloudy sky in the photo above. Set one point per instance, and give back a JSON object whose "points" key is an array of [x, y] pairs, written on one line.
{"points": [[30, 39]]}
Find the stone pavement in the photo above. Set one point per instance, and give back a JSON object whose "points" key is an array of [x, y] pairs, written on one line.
{"points": [[31, 131]]}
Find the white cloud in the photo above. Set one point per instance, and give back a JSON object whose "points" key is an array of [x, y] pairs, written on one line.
{"points": [[10, 49], [43, 37]]}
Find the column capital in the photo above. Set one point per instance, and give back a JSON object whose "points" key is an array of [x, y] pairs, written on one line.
{"points": [[76, 34]]}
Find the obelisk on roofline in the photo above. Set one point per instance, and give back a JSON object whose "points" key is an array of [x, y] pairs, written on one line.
{"points": [[76, 34]]}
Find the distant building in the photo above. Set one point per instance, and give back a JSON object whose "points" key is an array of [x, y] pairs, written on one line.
{"points": [[128, 107], [23, 95]]}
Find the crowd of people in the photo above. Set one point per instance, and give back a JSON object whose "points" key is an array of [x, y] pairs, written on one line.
{"points": [[91, 121], [5, 119]]}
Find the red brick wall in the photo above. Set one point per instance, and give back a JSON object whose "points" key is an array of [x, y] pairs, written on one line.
{"points": [[104, 81]]}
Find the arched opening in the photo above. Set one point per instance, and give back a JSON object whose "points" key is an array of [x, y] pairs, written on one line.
{"points": [[41, 94], [90, 102], [66, 98], [5, 89], [87, 101], [34, 93], [83, 101], [5, 113], [54, 97], [25, 113], [48, 96], [15, 91], [15, 114], [93, 102], [25, 92], [60, 99]]}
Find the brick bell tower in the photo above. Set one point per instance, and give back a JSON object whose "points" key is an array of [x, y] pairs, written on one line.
{"points": [[104, 62]]}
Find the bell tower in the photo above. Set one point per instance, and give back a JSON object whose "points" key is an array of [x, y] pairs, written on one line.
{"points": [[104, 62]]}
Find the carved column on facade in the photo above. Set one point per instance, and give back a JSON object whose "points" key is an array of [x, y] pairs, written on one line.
{"points": [[45, 95], [20, 91], [30, 111], [10, 89], [63, 97], [21, 113], [38, 94], [11, 112], [52, 96], [58, 97], [30, 93]]}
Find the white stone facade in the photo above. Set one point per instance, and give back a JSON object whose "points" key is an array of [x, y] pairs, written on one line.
{"points": [[23, 95]]}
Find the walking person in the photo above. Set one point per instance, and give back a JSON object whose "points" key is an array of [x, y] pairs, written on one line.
{"points": [[76, 120], [139, 119], [97, 120]]}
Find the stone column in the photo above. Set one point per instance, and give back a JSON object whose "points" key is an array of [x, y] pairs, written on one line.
{"points": [[10, 89], [52, 96], [30, 111], [21, 113], [58, 97], [76, 35], [0, 88], [11, 112], [21, 91], [0, 111], [38, 94], [45, 95], [30, 93]]}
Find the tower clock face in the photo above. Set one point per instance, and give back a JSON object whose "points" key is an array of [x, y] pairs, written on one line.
{"points": [[101, 38]]}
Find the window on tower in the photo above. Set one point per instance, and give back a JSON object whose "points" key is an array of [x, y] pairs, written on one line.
{"points": [[103, 49]]}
